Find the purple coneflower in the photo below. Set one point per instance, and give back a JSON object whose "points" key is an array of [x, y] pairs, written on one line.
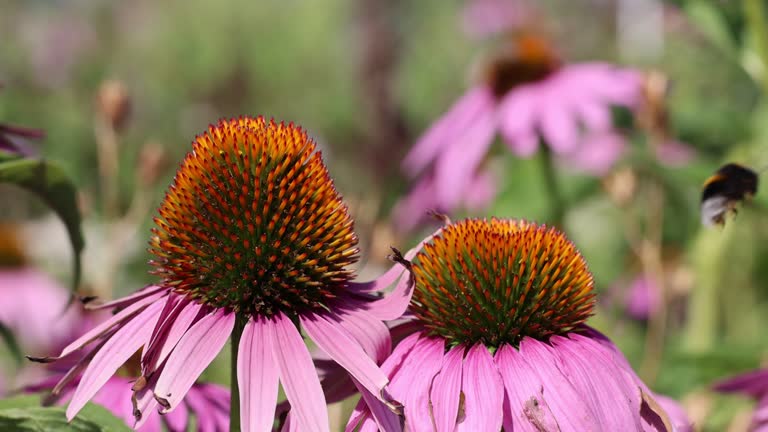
{"points": [[753, 384], [481, 18], [527, 95], [500, 340], [33, 305], [252, 240]]}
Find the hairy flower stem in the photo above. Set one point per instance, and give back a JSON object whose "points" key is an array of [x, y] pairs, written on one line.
{"points": [[556, 201], [234, 391]]}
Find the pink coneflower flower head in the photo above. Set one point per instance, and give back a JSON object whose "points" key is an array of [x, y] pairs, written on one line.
{"points": [[526, 94], [252, 239], [753, 384], [34, 304], [502, 343]]}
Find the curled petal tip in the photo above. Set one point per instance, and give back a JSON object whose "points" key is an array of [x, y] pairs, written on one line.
{"points": [[442, 217], [166, 406], [41, 359]]}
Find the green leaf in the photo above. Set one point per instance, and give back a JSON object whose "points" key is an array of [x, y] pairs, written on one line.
{"points": [[25, 414], [49, 181]]}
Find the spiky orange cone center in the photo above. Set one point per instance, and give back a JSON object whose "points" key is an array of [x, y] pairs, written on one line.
{"points": [[253, 222], [500, 280]]}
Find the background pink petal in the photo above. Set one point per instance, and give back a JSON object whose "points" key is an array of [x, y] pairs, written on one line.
{"points": [[411, 383]]}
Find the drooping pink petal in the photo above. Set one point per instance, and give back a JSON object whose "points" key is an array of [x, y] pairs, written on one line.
{"points": [[380, 415], [411, 383], [207, 419], [483, 392], [168, 333], [614, 398], [105, 326], [525, 406], [595, 116], [394, 304], [481, 191], [144, 403], [193, 353], [381, 282], [371, 334], [178, 419], [297, 373], [517, 121], [603, 81], [446, 391], [125, 301], [571, 411], [458, 164], [115, 351], [257, 376], [332, 338], [359, 414], [442, 134]]}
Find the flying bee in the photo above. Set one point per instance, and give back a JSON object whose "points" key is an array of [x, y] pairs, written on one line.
{"points": [[722, 191]]}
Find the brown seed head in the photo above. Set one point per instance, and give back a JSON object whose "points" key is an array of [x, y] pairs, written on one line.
{"points": [[253, 222], [500, 280]]}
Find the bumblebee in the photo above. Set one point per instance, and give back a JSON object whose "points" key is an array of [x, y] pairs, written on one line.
{"points": [[722, 191]]}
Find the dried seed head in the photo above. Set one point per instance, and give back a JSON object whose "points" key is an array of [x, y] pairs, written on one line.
{"points": [[253, 222], [500, 280]]}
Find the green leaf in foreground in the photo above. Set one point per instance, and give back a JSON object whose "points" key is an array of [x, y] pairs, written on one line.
{"points": [[25, 414], [49, 181]]}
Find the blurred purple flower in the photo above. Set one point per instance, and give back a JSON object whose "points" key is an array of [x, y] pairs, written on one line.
{"points": [[13, 139], [33, 308], [642, 298], [482, 18], [559, 375], [526, 97], [753, 384]]}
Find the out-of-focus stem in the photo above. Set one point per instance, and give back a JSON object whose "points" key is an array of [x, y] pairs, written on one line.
{"points": [[556, 201], [234, 391], [653, 268], [754, 11], [108, 159]]}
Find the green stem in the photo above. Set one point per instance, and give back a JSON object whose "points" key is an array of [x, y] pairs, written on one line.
{"points": [[556, 201], [234, 391], [754, 11]]}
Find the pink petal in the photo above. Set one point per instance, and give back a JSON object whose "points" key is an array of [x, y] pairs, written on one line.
{"points": [[332, 338], [105, 326], [517, 121], [193, 353], [394, 304], [753, 383], [595, 116], [446, 389], [257, 377], [360, 414], [411, 383], [604, 386], [525, 407], [297, 373], [197, 403], [381, 282], [481, 191], [371, 334], [597, 153], [674, 153], [483, 392], [558, 126], [125, 301], [178, 419], [458, 164], [115, 351], [144, 404], [444, 131], [566, 404], [168, 333], [381, 416]]}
